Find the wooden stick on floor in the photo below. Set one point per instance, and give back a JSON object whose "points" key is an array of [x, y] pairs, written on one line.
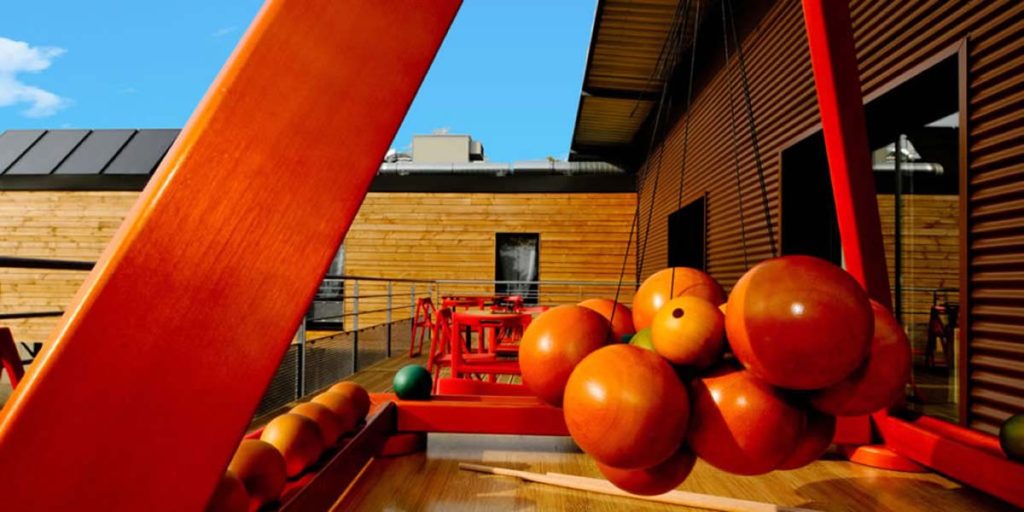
{"points": [[689, 499]]}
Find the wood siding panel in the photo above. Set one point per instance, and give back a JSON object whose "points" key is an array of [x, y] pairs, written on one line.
{"points": [[891, 39], [59, 225], [452, 236]]}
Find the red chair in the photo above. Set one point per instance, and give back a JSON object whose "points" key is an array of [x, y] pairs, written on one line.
{"points": [[422, 325], [9, 358], [486, 362], [444, 335]]}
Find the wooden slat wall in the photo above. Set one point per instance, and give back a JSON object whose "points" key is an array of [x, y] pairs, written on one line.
{"points": [[452, 236], [59, 225], [931, 255], [891, 38]]}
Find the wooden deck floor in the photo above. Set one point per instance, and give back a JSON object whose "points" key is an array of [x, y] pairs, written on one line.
{"points": [[432, 481]]}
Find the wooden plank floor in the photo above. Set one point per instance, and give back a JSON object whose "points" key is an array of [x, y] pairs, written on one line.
{"points": [[432, 481]]}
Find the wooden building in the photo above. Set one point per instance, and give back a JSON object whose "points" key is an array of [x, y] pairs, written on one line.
{"points": [[64, 193], [943, 75]]}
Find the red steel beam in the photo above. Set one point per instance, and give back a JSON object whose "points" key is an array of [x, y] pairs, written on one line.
{"points": [[145, 389], [834, 61]]}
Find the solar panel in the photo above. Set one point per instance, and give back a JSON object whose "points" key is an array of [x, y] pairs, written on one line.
{"points": [[48, 152], [95, 152], [13, 143], [143, 152]]}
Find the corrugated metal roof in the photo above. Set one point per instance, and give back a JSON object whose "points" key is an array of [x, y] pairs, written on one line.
{"points": [[83, 152], [624, 74]]}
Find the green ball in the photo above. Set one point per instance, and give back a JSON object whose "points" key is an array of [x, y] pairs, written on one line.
{"points": [[412, 382], [1011, 437], [642, 339]]}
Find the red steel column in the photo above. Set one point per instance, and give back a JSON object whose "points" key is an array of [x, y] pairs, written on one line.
{"points": [[148, 384], [830, 35]]}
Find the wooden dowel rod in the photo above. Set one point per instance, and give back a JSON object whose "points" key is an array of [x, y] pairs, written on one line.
{"points": [[689, 499]]}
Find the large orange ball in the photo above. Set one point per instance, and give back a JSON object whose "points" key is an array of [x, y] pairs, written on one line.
{"points": [[358, 395], [622, 324], [689, 331], [684, 281], [554, 343], [229, 496], [880, 381], [741, 424], [799, 322], [298, 439], [657, 479], [625, 406], [814, 442], [330, 424], [342, 406], [261, 468]]}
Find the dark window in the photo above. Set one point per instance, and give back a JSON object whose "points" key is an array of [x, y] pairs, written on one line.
{"points": [[517, 265], [687, 231], [914, 137]]}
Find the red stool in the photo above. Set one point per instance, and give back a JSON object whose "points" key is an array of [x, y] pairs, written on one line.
{"points": [[422, 325], [9, 358]]}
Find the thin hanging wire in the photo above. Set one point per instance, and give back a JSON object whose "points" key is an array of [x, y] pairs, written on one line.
{"points": [[686, 126], [753, 130], [735, 139], [664, 64]]}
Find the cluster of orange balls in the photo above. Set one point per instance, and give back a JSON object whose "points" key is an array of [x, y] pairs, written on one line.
{"points": [[750, 384], [288, 445]]}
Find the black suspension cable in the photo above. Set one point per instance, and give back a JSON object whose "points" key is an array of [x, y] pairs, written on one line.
{"points": [[753, 130], [735, 138], [664, 64], [686, 126]]}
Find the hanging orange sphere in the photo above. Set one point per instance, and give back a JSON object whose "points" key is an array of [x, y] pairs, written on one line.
{"points": [[689, 331], [622, 323], [814, 442], [799, 322], [657, 479], [741, 424], [342, 406], [297, 438], [261, 468], [229, 496], [625, 406], [329, 423], [360, 397], [684, 281], [554, 343], [880, 381]]}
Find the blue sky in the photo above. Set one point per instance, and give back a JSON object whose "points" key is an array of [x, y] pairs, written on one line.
{"points": [[509, 72]]}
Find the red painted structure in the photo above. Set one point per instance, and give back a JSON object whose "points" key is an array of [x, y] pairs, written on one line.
{"points": [[139, 400]]}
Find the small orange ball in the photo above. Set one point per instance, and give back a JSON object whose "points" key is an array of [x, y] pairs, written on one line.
{"points": [[654, 480], [329, 423], [229, 496], [689, 331], [684, 281], [358, 395], [342, 406], [261, 469], [554, 343], [622, 323], [297, 438]]}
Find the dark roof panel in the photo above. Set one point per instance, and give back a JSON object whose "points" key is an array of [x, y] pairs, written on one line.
{"points": [[13, 144], [95, 152], [48, 152], [142, 154]]}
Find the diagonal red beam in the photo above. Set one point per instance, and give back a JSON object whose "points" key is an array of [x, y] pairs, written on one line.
{"points": [[834, 61], [148, 384]]}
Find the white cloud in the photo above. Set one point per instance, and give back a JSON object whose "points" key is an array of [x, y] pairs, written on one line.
{"points": [[18, 57], [223, 31]]}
